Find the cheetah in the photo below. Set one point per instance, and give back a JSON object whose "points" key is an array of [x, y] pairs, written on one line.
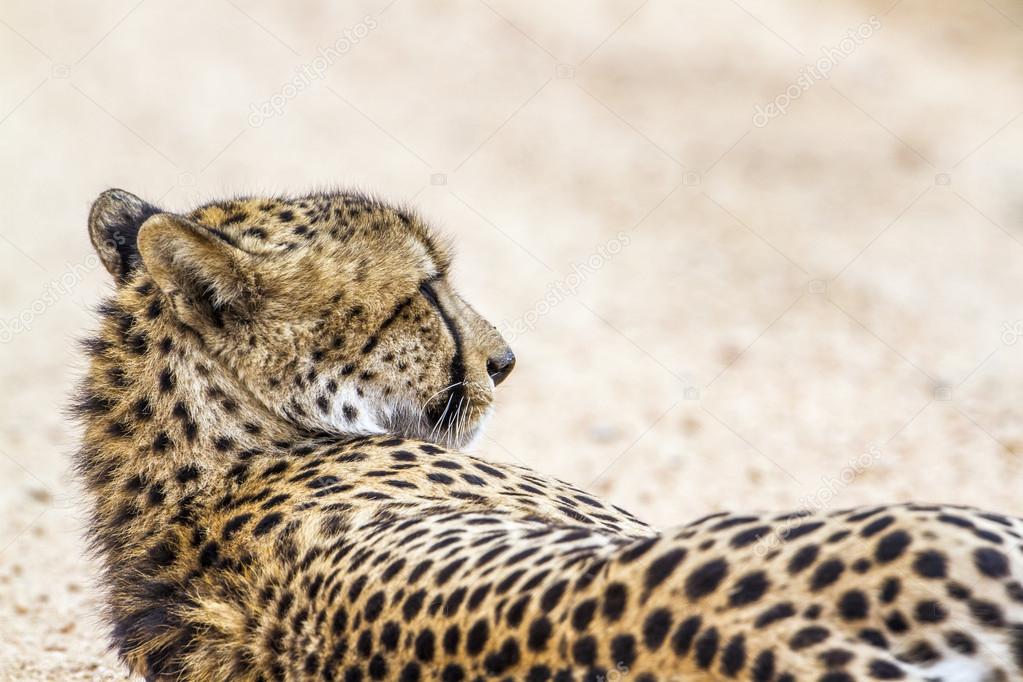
{"points": [[272, 419]]}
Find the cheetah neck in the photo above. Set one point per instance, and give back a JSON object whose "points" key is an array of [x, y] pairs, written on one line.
{"points": [[158, 410]]}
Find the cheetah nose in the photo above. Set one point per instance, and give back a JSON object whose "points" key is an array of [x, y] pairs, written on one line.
{"points": [[500, 367]]}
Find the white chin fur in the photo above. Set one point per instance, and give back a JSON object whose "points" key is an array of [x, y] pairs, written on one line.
{"points": [[476, 433], [366, 420], [408, 421]]}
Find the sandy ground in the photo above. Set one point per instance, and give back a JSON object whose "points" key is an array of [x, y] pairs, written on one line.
{"points": [[715, 304]]}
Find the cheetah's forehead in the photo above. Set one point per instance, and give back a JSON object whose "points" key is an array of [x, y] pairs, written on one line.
{"points": [[293, 222]]}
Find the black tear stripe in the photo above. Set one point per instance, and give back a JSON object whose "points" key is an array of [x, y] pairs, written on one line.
{"points": [[457, 374]]}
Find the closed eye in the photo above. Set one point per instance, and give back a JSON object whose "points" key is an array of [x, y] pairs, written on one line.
{"points": [[426, 289]]}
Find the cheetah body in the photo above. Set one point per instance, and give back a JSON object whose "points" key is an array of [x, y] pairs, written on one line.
{"points": [[271, 461]]}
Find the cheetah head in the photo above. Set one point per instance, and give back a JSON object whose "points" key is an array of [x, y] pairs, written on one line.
{"points": [[334, 310]]}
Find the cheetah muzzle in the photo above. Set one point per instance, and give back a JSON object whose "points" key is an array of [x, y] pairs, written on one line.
{"points": [[272, 414]]}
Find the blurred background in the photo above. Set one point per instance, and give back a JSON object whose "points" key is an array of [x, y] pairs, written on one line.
{"points": [[750, 253]]}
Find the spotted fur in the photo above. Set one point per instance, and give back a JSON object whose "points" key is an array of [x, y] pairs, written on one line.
{"points": [[272, 416]]}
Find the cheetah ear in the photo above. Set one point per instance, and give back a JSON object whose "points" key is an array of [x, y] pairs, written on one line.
{"points": [[114, 222], [201, 270]]}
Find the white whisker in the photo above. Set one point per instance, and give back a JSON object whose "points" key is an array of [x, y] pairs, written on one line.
{"points": [[440, 419]]}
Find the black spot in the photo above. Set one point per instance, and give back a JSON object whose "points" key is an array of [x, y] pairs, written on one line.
{"points": [[539, 632], [705, 579], [425, 646], [892, 546], [312, 664], [991, 562], [958, 591], [209, 554], [749, 536], [637, 550], [413, 604], [808, 636], [876, 526], [166, 380], [953, 520], [410, 673], [706, 647], [961, 642], [874, 638], [156, 495], [583, 614], [836, 677], [584, 651], [374, 606], [137, 343], [896, 622], [921, 652], [987, 613], [187, 473], [538, 673], [452, 636], [803, 558], [656, 627], [553, 595], [615, 598], [836, 658], [853, 605], [1017, 644], [339, 622], [729, 522], [682, 640], [931, 564], [884, 670], [774, 614], [162, 442], [861, 565], [748, 589], [930, 611], [662, 567], [763, 666], [377, 667], [804, 528], [890, 590], [267, 523], [477, 637], [453, 673], [454, 601], [733, 658], [623, 651], [826, 574], [143, 409], [162, 554]]}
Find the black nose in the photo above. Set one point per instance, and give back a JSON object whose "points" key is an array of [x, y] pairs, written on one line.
{"points": [[501, 366]]}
